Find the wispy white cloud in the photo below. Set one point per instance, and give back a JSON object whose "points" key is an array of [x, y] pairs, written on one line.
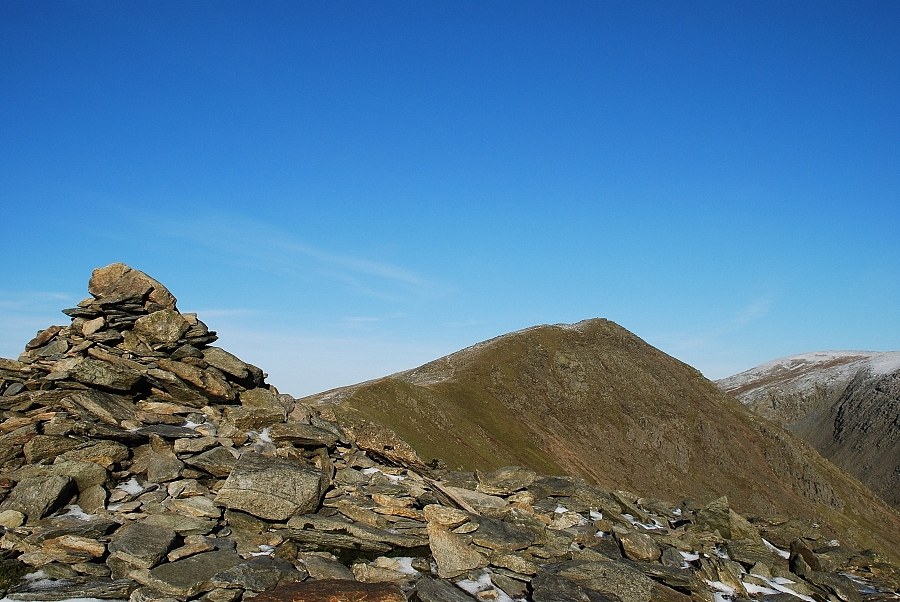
{"points": [[758, 308], [269, 248]]}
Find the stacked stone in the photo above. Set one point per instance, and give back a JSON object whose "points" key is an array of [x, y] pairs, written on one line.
{"points": [[140, 462]]}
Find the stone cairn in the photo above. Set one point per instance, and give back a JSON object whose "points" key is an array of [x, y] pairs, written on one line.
{"points": [[139, 462]]}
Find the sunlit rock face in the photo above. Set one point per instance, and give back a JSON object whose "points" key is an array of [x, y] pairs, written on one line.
{"points": [[845, 403]]}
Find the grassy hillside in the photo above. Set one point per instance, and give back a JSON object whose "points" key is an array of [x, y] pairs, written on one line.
{"points": [[593, 400]]}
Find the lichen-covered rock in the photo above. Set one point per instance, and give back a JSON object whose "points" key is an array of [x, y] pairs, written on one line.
{"points": [[333, 590], [271, 488], [37, 497]]}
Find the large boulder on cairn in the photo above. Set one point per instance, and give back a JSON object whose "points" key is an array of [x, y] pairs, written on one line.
{"points": [[118, 283]]}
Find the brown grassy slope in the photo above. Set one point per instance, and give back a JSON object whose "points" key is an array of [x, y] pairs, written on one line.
{"points": [[594, 400]]}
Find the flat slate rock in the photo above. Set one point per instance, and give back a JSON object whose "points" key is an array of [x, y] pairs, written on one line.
{"points": [[333, 590], [190, 576], [104, 590], [141, 544], [39, 496], [271, 488]]}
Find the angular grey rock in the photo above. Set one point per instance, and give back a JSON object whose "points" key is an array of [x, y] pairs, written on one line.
{"points": [[141, 545], [120, 281], [271, 488], [608, 577], [218, 461], [190, 576], [551, 587], [319, 567], [501, 536], [47, 447], [505, 481], [39, 496], [105, 375], [111, 409], [451, 553], [302, 434], [85, 474], [638, 546], [163, 327], [226, 362], [258, 574]]}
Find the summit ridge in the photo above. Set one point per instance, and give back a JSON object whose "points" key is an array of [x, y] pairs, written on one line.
{"points": [[138, 461]]}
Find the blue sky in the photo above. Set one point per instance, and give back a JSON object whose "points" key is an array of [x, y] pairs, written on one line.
{"points": [[347, 189]]}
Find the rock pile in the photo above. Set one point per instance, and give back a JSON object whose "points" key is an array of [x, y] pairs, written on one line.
{"points": [[139, 462]]}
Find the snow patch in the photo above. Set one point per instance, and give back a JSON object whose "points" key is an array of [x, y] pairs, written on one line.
{"points": [[75, 511], [483, 584], [779, 551], [752, 588], [637, 523], [264, 550], [404, 565], [131, 486], [394, 478], [806, 371]]}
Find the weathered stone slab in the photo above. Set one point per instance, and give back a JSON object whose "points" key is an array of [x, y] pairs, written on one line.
{"points": [[163, 327], [104, 589], [302, 434], [333, 590], [197, 506], [102, 452], [505, 481], [320, 567], [122, 281], [111, 409], [452, 553], [85, 474], [258, 574], [501, 536], [39, 496], [46, 447], [169, 431], [226, 362], [611, 578], [271, 488], [218, 461], [551, 587], [638, 546], [183, 525], [141, 545], [105, 375], [190, 576], [304, 526]]}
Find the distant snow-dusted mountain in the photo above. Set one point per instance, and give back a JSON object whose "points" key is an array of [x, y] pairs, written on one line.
{"points": [[846, 403]]}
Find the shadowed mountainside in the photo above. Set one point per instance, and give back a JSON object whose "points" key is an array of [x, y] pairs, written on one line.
{"points": [[594, 400], [845, 403]]}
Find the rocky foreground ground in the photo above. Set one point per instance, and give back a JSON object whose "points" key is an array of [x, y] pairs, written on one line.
{"points": [[139, 462]]}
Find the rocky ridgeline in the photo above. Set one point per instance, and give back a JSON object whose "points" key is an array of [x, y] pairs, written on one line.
{"points": [[137, 461]]}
